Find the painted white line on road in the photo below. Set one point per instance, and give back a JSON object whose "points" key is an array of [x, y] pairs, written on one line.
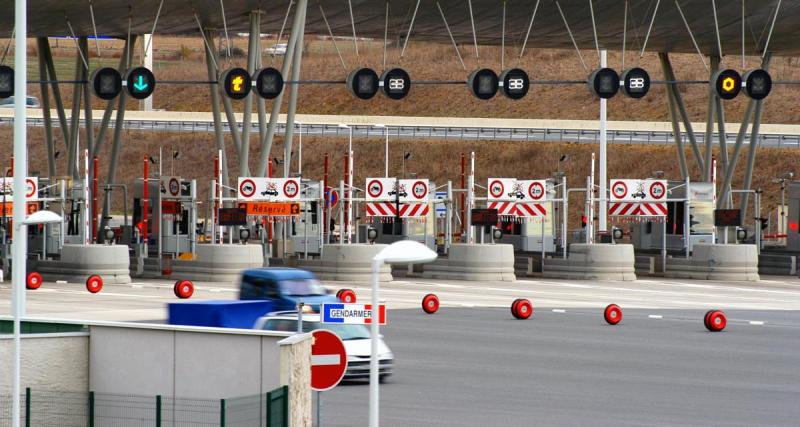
{"points": [[559, 310], [61, 282], [655, 316], [467, 305], [756, 322], [136, 286], [325, 359]]}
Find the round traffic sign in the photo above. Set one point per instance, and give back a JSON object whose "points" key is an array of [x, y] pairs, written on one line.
{"points": [[604, 83], [30, 188], [757, 84], [237, 83], [6, 81], [363, 83], [174, 187], [328, 360], [269, 83], [496, 189], [375, 188], [247, 188], [619, 190], [106, 83], [635, 82], [727, 84], [140, 82], [419, 190], [657, 190], [483, 83], [396, 83], [331, 197], [536, 190], [291, 189], [515, 83]]}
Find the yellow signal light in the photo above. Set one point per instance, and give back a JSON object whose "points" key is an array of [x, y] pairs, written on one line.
{"points": [[238, 84], [728, 84]]}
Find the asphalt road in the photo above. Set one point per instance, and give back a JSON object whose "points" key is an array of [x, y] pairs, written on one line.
{"points": [[481, 367]]}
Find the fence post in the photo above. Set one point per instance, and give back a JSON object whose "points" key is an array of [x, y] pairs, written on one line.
{"points": [[222, 412], [91, 409], [286, 406], [158, 410], [27, 407]]}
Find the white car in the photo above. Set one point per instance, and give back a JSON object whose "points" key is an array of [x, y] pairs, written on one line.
{"points": [[355, 337]]}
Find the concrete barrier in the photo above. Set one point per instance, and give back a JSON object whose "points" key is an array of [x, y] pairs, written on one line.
{"points": [[777, 264], [78, 262], [216, 263], [716, 262], [485, 262], [348, 263], [593, 262]]}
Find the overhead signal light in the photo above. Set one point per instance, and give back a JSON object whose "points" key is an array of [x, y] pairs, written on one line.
{"points": [[237, 83], [483, 83], [727, 84], [604, 83]]}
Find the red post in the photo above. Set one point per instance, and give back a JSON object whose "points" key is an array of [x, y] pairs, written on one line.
{"points": [[270, 229], [95, 168], [145, 188], [327, 198], [269, 174], [463, 187]]}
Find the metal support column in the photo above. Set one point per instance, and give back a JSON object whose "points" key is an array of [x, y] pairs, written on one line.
{"points": [[676, 129], [712, 96], [48, 126], [51, 71], [754, 142], [80, 75], [723, 143], [266, 141], [213, 75], [669, 75], [122, 68], [253, 52], [297, 62]]}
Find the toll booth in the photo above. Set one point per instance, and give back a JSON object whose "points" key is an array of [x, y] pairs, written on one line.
{"points": [[400, 209], [649, 235], [528, 220], [306, 229], [171, 214]]}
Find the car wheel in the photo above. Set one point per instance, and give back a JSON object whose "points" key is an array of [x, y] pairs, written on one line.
{"points": [[430, 303], [33, 281], [717, 321], [613, 314], [94, 284]]}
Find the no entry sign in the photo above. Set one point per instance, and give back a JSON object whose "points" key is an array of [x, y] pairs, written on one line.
{"points": [[328, 360]]}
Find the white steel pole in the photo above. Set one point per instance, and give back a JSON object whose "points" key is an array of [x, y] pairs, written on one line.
{"points": [[300, 150], [19, 245], [590, 197], [87, 211], [565, 215], [470, 198], [386, 155], [350, 196], [374, 402], [602, 216]]}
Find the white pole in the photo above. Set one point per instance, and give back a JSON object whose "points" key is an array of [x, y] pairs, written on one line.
{"points": [[602, 216], [374, 402], [87, 211], [300, 150], [350, 198], [590, 198], [147, 103], [564, 216], [470, 198], [386, 156], [19, 246]]}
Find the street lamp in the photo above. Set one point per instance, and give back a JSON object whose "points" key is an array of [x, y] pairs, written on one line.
{"points": [[402, 252], [386, 150]]}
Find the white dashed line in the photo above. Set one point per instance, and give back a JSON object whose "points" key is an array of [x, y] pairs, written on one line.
{"points": [[756, 322], [559, 310], [655, 316]]}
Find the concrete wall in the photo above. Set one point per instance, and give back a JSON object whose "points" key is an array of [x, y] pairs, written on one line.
{"points": [[49, 362], [183, 361]]}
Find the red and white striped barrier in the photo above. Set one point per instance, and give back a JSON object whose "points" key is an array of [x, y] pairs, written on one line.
{"points": [[637, 209], [407, 210], [531, 210], [504, 208]]}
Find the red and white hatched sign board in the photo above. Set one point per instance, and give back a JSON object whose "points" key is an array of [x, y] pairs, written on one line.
{"points": [[328, 360], [534, 196], [381, 189], [502, 194], [638, 197], [388, 209], [269, 189]]}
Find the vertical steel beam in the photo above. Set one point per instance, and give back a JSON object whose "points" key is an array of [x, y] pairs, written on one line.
{"points": [[123, 65], [754, 143], [737, 148], [687, 124], [296, 68], [723, 143], [213, 75], [676, 129], [252, 53], [51, 70], [266, 142], [710, 121], [75, 112], [87, 104], [48, 126]]}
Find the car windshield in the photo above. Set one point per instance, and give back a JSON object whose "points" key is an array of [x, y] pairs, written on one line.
{"points": [[302, 287], [345, 332]]}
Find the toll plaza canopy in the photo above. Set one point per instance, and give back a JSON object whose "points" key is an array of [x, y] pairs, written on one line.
{"points": [[669, 30]]}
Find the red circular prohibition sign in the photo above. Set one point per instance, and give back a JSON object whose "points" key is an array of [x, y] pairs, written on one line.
{"points": [[417, 185], [30, 183], [654, 194], [291, 189], [244, 186], [533, 193], [328, 360], [501, 188], [375, 188], [619, 184]]}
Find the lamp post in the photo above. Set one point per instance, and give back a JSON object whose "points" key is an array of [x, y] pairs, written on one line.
{"points": [[402, 252]]}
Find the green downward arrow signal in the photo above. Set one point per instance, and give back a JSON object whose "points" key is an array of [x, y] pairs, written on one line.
{"points": [[140, 84]]}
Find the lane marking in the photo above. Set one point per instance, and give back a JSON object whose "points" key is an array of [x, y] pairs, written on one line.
{"points": [[61, 282], [559, 310], [655, 316], [756, 322]]}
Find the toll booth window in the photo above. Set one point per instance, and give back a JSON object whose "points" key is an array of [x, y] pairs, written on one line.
{"points": [[314, 207], [257, 288]]}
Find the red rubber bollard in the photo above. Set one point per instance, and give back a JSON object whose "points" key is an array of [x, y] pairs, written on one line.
{"points": [[347, 296], [613, 314], [94, 284], [339, 294], [716, 321], [524, 309], [430, 303], [514, 306], [33, 281], [183, 289]]}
